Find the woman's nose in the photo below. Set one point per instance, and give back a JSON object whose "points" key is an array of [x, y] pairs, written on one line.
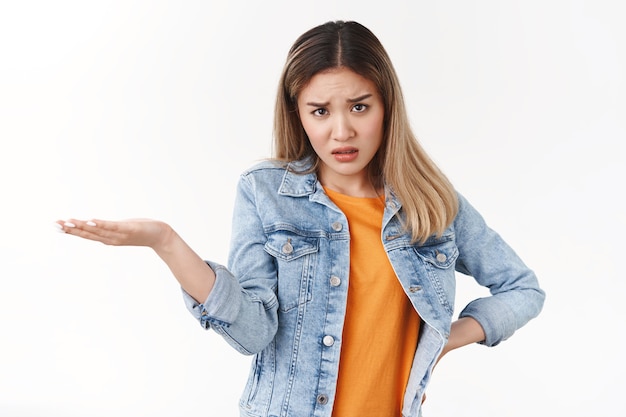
{"points": [[342, 128]]}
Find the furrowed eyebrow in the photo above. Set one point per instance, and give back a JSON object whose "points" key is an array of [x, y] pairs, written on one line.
{"points": [[350, 100], [312, 104], [359, 98]]}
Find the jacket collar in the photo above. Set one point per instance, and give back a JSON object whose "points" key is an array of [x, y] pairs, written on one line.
{"points": [[296, 184]]}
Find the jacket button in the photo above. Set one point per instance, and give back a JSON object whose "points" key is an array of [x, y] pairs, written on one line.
{"points": [[441, 257], [322, 399], [337, 226], [328, 341], [287, 247], [335, 281]]}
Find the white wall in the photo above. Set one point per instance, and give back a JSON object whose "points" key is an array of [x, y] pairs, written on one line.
{"points": [[152, 108]]}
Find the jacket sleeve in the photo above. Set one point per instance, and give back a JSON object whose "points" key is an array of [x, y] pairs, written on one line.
{"points": [[242, 306], [515, 297]]}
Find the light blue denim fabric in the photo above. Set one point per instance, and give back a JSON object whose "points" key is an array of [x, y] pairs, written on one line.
{"points": [[286, 285]]}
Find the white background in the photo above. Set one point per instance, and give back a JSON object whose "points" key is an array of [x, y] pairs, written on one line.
{"points": [[124, 109]]}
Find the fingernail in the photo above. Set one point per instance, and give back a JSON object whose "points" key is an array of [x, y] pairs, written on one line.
{"points": [[68, 224], [90, 223], [59, 228]]}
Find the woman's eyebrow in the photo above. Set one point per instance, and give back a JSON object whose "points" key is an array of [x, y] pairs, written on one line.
{"points": [[350, 100], [359, 98], [313, 104]]}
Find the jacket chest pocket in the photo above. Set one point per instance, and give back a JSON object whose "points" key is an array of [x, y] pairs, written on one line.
{"points": [[295, 259], [440, 253], [439, 257]]}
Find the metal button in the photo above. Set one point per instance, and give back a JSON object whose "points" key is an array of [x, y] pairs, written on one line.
{"points": [[335, 281], [441, 257], [328, 340], [287, 247], [337, 226], [322, 399]]}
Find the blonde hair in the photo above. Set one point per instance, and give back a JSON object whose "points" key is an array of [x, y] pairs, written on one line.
{"points": [[429, 201]]}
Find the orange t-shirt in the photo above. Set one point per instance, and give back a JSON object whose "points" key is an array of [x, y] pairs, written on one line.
{"points": [[381, 327]]}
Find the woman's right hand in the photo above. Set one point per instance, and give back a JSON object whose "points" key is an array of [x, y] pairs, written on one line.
{"points": [[194, 275], [133, 232]]}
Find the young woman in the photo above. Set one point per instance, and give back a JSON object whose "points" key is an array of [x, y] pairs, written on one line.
{"points": [[341, 274]]}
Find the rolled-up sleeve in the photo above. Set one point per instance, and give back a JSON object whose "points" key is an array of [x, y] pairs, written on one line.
{"points": [[220, 307], [242, 305], [515, 297]]}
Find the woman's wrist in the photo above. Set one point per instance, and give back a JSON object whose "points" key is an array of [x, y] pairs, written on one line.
{"points": [[166, 239], [463, 332]]}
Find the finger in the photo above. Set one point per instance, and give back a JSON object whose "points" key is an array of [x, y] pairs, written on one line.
{"points": [[74, 224], [59, 225], [98, 230], [110, 232], [92, 225], [65, 225]]}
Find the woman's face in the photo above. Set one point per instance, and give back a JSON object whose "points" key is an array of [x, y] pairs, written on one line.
{"points": [[342, 114]]}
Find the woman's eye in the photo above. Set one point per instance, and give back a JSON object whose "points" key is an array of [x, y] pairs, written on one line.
{"points": [[319, 112], [359, 108]]}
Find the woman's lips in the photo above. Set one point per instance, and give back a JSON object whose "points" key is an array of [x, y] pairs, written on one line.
{"points": [[345, 154]]}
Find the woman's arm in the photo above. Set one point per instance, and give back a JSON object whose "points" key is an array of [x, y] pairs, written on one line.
{"points": [[242, 307], [193, 274], [515, 297], [463, 332]]}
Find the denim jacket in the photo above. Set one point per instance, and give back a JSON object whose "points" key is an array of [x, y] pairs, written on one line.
{"points": [[283, 296]]}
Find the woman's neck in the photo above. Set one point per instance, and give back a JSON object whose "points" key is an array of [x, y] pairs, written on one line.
{"points": [[351, 186]]}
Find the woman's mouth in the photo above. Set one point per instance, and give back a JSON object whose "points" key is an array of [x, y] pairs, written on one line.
{"points": [[345, 154]]}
